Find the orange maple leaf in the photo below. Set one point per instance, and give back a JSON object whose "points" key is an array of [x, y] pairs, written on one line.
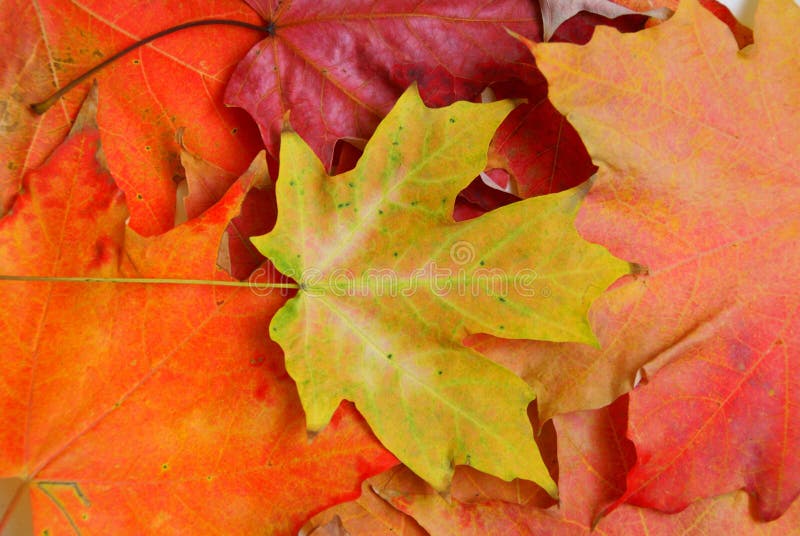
{"points": [[174, 82], [697, 148], [135, 408]]}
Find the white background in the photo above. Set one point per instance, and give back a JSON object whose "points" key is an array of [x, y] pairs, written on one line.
{"points": [[744, 9]]}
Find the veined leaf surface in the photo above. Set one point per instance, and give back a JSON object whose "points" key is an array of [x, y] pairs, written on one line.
{"points": [[390, 286]]}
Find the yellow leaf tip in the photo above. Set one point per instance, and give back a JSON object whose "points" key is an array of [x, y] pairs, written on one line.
{"points": [[286, 125], [521, 38]]}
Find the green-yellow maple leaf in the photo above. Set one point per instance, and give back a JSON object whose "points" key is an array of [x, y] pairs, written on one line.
{"points": [[390, 285]]}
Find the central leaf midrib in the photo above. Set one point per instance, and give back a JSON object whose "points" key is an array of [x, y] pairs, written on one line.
{"points": [[363, 282]]}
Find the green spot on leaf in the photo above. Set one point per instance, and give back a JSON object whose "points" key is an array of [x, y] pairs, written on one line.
{"points": [[349, 339]]}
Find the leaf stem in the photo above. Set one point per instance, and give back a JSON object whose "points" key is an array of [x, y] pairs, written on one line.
{"points": [[147, 280], [42, 107]]}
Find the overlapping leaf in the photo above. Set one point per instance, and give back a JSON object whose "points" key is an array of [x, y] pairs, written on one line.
{"points": [[717, 344], [592, 460], [593, 457], [26, 140], [693, 186], [147, 96], [144, 408], [339, 68], [205, 185], [556, 12], [373, 512], [369, 514], [535, 146], [390, 286]]}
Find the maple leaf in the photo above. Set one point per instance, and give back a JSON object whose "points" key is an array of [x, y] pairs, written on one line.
{"points": [[26, 140], [141, 407], [724, 514], [710, 193], [622, 319], [742, 33], [556, 13], [146, 97], [369, 513], [593, 458], [340, 67], [341, 95], [205, 185], [390, 285], [373, 510], [538, 148], [400, 489]]}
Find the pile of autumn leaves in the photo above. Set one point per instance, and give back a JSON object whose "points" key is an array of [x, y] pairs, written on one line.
{"points": [[660, 340]]}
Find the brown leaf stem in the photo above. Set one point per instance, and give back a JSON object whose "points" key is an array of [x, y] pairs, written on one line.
{"points": [[43, 106]]}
